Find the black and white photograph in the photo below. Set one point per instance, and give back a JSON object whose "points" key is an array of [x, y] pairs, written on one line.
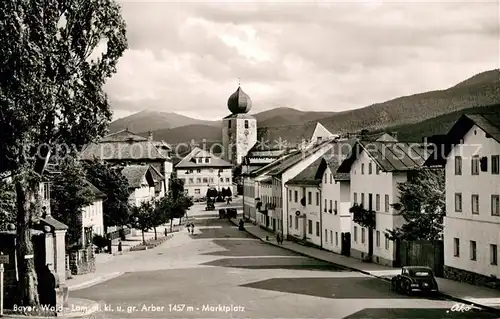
{"points": [[250, 159]]}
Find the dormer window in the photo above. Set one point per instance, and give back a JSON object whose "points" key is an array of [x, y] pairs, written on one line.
{"points": [[207, 160]]}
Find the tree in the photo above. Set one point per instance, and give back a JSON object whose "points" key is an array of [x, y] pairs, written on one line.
{"points": [[69, 194], [51, 94], [7, 204], [228, 192], [160, 213], [177, 201], [422, 204], [365, 218], [211, 193], [114, 185], [142, 218]]}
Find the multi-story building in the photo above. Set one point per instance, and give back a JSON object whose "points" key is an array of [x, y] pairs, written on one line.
{"points": [[93, 217], [201, 170], [127, 148], [263, 201], [471, 159], [304, 205], [376, 168]]}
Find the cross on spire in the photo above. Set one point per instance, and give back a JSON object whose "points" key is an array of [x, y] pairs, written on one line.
{"points": [[239, 82]]}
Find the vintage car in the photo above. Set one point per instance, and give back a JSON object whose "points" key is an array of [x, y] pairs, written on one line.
{"points": [[415, 278], [210, 205]]}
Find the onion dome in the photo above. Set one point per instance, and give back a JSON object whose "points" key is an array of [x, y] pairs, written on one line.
{"points": [[239, 102]]}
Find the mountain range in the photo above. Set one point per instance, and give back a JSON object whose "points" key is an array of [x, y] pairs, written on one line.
{"points": [[480, 90]]}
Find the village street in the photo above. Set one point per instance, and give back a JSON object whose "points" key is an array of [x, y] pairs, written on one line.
{"points": [[222, 272]]}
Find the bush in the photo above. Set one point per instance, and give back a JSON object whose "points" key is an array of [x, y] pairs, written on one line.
{"points": [[100, 241]]}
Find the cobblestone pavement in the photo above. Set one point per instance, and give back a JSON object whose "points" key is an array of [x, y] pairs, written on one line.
{"points": [[220, 272]]}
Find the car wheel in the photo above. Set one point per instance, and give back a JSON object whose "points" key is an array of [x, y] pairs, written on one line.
{"points": [[394, 286], [407, 288]]}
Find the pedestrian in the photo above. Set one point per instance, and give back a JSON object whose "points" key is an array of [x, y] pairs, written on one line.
{"points": [[120, 247], [192, 228], [278, 238], [188, 227]]}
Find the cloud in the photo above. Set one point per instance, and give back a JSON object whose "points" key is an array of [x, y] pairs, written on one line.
{"points": [[187, 57]]}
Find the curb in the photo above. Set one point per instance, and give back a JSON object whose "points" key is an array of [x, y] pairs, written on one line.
{"points": [[453, 298], [95, 281]]}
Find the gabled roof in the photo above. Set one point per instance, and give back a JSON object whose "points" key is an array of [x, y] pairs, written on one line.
{"points": [[134, 150], [308, 176], [162, 144], [334, 157], [291, 134], [189, 160], [489, 122], [389, 156], [97, 193], [123, 136], [380, 136], [157, 176], [135, 175]]}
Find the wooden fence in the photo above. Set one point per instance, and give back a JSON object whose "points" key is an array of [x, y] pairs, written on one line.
{"points": [[422, 253]]}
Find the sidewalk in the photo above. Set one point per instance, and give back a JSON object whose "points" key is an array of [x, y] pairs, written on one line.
{"points": [[97, 277], [461, 292]]}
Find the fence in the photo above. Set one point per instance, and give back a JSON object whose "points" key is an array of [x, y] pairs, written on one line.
{"points": [[120, 233], [422, 253]]}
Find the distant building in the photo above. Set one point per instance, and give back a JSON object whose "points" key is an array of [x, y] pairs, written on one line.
{"points": [[201, 170], [471, 159], [141, 181], [127, 148], [92, 216]]}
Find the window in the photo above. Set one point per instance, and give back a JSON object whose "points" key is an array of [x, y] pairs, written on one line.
{"points": [[458, 202], [377, 238], [355, 199], [377, 170], [483, 163], [356, 234], [326, 236], [336, 208], [295, 196], [475, 204], [309, 198], [493, 255], [458, 165], [472, 250], [363, 199], [336, 238], [46, 191], [331, 205], [198, 180], [495, 164], [324, 207], [377, 202], [198, 171], [317, 198], [456, 247], [296, 222], [310, 226], [207, 160], [211, 180], [495, 205], [205, 180], [227, 180], [191, 181], [246, 123], [229, 124], [290, 222], [369, 168], [197, 191], [326, 178], [386, 203], [317, 229], [362, 168], [362, 235], [386, 243], [331, 178], [474, 165]]}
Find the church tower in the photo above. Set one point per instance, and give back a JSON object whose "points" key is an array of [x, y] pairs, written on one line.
{"points": [[239, 130]]}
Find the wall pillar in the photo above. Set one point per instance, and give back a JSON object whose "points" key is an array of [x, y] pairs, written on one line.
{"points": [[60, 254]]}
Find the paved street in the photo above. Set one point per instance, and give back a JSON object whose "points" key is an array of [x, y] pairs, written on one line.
{"points": [[221, 272]]}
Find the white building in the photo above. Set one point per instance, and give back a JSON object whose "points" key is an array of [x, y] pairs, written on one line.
{"points": [[92, 216], [201, 170], [335, 196], [375, 170], [141, 183], [472, 222], [304, 205], [263, 201], [239, 130]]}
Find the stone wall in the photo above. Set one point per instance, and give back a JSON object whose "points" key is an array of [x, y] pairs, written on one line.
{"points": [[470, 277], [82, 261], [7, 246]]}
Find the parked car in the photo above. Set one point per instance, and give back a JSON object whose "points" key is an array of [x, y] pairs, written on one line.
{"points": [[415, 278]]}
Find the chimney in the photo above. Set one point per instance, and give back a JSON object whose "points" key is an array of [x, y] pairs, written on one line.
{"points": [[150, 135], [395, 135]]}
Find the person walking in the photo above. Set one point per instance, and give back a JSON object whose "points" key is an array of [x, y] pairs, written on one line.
{"points": [[192, 228], [278, 238]]}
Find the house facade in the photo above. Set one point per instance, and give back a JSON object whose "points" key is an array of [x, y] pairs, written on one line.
{"points": [[92, 216], [376, 168], [472, 222], [201, 170], [141, 183], [264, 200]]}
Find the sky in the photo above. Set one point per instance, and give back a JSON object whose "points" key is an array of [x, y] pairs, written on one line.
{"points": [[187, 57]]}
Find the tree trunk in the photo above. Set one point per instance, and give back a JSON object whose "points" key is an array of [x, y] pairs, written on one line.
{"points": [[171, 221], [28, 293], [143, 238], [156, 237]]}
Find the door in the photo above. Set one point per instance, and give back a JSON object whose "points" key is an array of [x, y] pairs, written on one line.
{"points": [[346, 244]]}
